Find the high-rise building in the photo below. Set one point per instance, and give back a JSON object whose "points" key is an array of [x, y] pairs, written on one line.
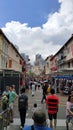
{"points": [[39, 60]]}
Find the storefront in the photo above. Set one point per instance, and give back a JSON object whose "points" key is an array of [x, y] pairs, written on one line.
{"points": [[8, 78]]}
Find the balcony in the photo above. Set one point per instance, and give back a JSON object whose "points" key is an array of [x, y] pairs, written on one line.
{"points": [[61, 60]]}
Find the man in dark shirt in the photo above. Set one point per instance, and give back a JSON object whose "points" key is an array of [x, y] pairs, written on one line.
{"points": [[22, 106], [44, 87]]}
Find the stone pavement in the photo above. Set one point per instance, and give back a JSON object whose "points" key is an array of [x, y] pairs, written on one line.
{"points": [[61, 125], [63, 99]]}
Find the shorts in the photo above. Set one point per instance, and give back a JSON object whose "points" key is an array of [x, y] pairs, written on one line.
{"points": [[52, 116], [11, 105]]}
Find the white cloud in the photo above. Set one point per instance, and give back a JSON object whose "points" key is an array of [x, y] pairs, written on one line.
{"points": [[45, 40]]}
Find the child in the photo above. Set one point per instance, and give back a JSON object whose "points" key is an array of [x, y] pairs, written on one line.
{"points": [[35, 107]]}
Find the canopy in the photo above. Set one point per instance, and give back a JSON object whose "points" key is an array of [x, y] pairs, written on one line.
{"points": [[68, 77]]}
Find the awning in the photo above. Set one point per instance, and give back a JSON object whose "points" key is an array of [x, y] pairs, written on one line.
{"points": [[68, 77]]}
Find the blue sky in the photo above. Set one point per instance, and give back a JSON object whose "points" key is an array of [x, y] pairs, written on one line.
{"points": [[33, 12], [37, 26]]}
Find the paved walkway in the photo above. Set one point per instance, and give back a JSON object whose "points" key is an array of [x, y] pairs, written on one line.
{"points": [[61, 125], [15, 126], [29, 121]]}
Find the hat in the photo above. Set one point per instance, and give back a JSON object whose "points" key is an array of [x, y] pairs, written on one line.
{"points": [[39, 116]]}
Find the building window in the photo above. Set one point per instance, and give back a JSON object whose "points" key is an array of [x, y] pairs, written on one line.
{"points": [[72, 49], [72, 63], [47, 65], [68, 50], [21, 62], [68, 64], [10, 63]]}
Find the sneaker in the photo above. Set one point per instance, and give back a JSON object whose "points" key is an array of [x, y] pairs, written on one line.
{"points": [[21, 127]]}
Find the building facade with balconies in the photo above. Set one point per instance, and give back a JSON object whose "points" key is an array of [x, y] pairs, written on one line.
{"points": [[63, 59], [10, 63], [48, 65]]}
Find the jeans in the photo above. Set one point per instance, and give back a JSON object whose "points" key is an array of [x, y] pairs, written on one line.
{"points": [[22, 116]]}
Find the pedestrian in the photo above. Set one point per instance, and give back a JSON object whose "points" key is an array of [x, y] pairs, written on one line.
{"points": [[12, 97], [52, 102], [6, 92], [5, 102], [35, 107], [22, 106], [14, 88], [39, 118], [48, 89], [33, 88], [69, 110], [5, 97], [44, 93]]}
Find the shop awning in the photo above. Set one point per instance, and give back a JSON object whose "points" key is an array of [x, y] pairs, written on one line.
{"points": [[68, 77]]}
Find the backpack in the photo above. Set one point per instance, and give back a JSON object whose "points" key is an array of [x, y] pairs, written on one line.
{"points": [[22, 100], [48, 89]]}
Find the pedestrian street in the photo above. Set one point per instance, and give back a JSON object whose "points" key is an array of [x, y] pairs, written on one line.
{"points": [[61, 125]]}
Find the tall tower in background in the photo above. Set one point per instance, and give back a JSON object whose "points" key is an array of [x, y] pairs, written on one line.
{"points": [[39, 60], [39, 64]]}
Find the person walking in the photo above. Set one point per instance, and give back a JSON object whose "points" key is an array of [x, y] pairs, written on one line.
{"points": [[22, 106], [6, 92], [44, 93], [5, 103], [33, 88], [39, 118], [69, 111], [35, 107], [5, 97], [52, 102], [12, 97]]}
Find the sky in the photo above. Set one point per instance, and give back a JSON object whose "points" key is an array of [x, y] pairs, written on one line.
{"points": [[37, 26]]}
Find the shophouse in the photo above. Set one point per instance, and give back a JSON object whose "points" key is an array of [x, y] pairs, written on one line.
{"points": [[10, 63], [63, 59], [62, 65], [47, 66]]}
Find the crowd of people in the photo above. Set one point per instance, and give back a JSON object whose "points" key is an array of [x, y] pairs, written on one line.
{"points": [[38, 115], [52, 102]]}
